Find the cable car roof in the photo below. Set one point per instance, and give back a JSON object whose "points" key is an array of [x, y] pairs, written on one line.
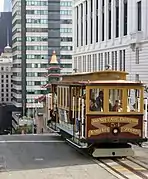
{"points": [[110, 82], [102, 82]]}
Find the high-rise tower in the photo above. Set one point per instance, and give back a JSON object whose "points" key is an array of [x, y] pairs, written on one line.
{"points": [[39, 27]]}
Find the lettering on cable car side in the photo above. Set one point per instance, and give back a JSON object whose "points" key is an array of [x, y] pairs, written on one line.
{"points": [[114, 121]]}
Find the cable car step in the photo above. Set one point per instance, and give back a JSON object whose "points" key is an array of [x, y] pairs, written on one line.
{"points": [[78, 145]]}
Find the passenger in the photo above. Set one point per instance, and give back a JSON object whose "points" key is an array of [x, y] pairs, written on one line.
{"points": [[78, 126], [117, 107], [93, 106], [128, 109], [110, 105], [84, 96], [100, 100]]}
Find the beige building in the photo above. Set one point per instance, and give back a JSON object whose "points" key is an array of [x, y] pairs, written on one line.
{"points": [[6, 75]]}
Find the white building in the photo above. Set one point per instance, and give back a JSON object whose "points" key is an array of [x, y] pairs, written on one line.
{"points": [[111, 32], [6, 76], [38, 28]]}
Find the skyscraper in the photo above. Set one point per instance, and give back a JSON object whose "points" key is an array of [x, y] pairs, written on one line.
{"points": [[7, 5], [39, 27]]}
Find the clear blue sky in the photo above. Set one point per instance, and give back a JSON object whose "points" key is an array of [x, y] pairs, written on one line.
{"points": [[1, 5]]}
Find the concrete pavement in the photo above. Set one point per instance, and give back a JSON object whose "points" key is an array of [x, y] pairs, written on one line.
{"points": [[45, 157]]}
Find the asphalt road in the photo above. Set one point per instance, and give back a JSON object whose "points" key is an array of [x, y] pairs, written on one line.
{"points": [[49, 157], [36, 152], [44, 157]]}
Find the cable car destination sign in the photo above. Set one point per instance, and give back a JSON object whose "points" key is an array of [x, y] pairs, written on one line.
{"points": [[105, 124]]}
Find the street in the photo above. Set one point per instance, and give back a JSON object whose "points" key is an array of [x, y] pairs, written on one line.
{"points": [[44, 156]]}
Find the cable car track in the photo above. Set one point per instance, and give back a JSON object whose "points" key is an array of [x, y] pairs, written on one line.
{"points": [[128, 168], [124, 169]]}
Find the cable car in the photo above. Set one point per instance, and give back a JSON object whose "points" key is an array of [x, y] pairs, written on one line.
{"points": [[101, 112]]}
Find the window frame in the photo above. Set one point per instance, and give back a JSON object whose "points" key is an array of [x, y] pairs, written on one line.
{"points": [[106, 97]]}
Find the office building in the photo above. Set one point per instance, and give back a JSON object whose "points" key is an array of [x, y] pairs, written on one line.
{"points": [[39, 28], [111, 32], [6, 76], [66, 44]]}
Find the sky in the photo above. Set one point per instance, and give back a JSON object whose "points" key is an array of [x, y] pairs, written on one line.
{"points": [[1, 5]]}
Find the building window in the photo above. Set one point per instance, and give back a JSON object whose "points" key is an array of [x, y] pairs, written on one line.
{"points": [[66, 39], [108, 60], [109, 19], [91, 21], [102, 20], [93, 62], [81, 24], [137, 55], [97, 18], [136, 77], [66, 3], [120, 53], [113, 62], [116, 64], [62, 30], [123, 60], [117, 18], [139, 15], [77, 9], [86, 22], [125, 17], [101, 61]]}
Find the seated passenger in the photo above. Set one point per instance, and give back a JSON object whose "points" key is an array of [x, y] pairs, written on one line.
{"points": [[93, 106], [117, 107], [110, 105], [99, 100]]}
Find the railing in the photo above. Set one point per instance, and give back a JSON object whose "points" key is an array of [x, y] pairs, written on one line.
{"points": [[16, 116]]}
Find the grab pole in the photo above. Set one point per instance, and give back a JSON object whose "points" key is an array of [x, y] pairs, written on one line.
{"points": [[145, 118]]}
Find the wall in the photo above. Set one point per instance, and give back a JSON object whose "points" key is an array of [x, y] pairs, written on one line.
{"points": [[6, 116]]}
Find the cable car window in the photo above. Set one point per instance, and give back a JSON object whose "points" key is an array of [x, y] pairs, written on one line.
{"points": [[96, 100], [115, 100], [134, 100]]}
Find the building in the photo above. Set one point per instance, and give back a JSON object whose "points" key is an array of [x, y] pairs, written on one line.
{"points": [[6, 106], [66, 44], [7, 6], [6, 76], [5, 24], [109, 32], [39, 27]]}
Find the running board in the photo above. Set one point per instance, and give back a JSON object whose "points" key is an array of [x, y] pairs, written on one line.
{"points": [[52, 130], [78, 146]]}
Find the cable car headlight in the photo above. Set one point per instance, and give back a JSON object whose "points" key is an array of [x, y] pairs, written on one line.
{"points": [[115, 131]]}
